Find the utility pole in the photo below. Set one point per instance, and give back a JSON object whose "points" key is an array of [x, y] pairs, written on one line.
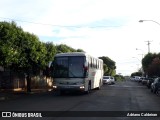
{"points": [[148, 43]]}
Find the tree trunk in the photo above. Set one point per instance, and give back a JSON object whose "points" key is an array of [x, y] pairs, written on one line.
{"points": [[28, 83]]}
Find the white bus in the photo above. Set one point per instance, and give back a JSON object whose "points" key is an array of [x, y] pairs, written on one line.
{"points": [[77, 71]]}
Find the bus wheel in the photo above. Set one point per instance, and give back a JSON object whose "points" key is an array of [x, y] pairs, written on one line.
{"points": [[99, 87], [62, 92], [89, 88]]}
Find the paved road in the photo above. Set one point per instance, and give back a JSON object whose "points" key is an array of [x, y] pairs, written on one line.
{"points": [[123, 96]]}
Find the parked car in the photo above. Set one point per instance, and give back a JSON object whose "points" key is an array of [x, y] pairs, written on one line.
{"points": [[135, 78], [155, 85], [144, 80], [131, 78], [112, 80], [149, 82], [108, 80], [141, 79]]}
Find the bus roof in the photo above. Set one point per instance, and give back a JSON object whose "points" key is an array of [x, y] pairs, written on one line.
{"points": [[74, 54], [71, 54]]}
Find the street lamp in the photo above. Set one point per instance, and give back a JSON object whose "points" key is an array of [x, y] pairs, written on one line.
{"points": [[149, 41], [149, 20]]}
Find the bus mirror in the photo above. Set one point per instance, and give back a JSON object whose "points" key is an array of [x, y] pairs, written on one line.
{"points": [[85, 69], [50, 63], [85, 64], [85, 72]]}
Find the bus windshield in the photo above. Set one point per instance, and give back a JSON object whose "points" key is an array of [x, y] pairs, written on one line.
{"points": [[69, 67]]}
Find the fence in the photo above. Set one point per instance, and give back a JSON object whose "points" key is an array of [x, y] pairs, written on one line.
{"points": [[17, 80]]}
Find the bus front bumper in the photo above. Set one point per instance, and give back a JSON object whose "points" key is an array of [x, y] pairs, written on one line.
{"points": [[69, 87]]}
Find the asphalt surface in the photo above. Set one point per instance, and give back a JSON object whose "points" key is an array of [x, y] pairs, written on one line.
{"points": [[112, 100]]}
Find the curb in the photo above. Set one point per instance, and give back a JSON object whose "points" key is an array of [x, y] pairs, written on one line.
{"points": [[11, 94]]}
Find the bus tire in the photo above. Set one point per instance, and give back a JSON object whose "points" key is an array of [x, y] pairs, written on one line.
{"points": [[157, 92], [99, 87], [89, 88], [62, 92]]}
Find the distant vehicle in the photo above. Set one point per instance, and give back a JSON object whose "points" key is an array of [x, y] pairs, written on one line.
{"points": [[112, 80], [132, 78], [77, 71], [108, 80], [144, 80], [135, 78], [141, 79], [155, 85]]}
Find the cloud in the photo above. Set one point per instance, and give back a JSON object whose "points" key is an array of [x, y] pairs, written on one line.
{"points": [[77, 24], [23, 10]]}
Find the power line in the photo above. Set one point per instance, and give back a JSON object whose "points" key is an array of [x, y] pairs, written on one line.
{"points": [[81, 26], [37, 23]]}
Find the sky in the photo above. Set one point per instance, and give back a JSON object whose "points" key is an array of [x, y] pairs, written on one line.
{"points": [[99, 27]]}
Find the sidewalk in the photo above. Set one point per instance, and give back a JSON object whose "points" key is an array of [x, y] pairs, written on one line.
{"points": [[12, 94]]}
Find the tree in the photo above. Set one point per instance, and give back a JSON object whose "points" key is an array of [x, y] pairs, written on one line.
{"points": [[51, 51], [136, 74], [34, 56], [80, 50], [154, 67], [109, 66], [21, 50], [147, 60], [62, 48], [150, 64], [105, 68], [119, 77], [9, 52]]}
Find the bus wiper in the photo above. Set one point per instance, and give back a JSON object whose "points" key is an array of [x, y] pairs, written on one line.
{"points": [[72, 73], [63, 73]]}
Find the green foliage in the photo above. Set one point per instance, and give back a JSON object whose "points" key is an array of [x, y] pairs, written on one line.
{"points": [[109, 66], [20, 50], [147, 60], [24, 51], [154, 67], [113, 72], [151, 64], [105, 68], [9, 52], [136, 74], [62, 48], [51, 51], [80, 50], [119, 77]]}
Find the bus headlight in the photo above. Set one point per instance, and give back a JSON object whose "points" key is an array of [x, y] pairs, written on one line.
{"points": [[81, 87], [54, 86]]}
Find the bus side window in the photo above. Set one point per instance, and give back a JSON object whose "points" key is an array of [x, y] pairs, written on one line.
{"points": [[98, 64], [95, 63], [91, 63], [88, 65]]}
